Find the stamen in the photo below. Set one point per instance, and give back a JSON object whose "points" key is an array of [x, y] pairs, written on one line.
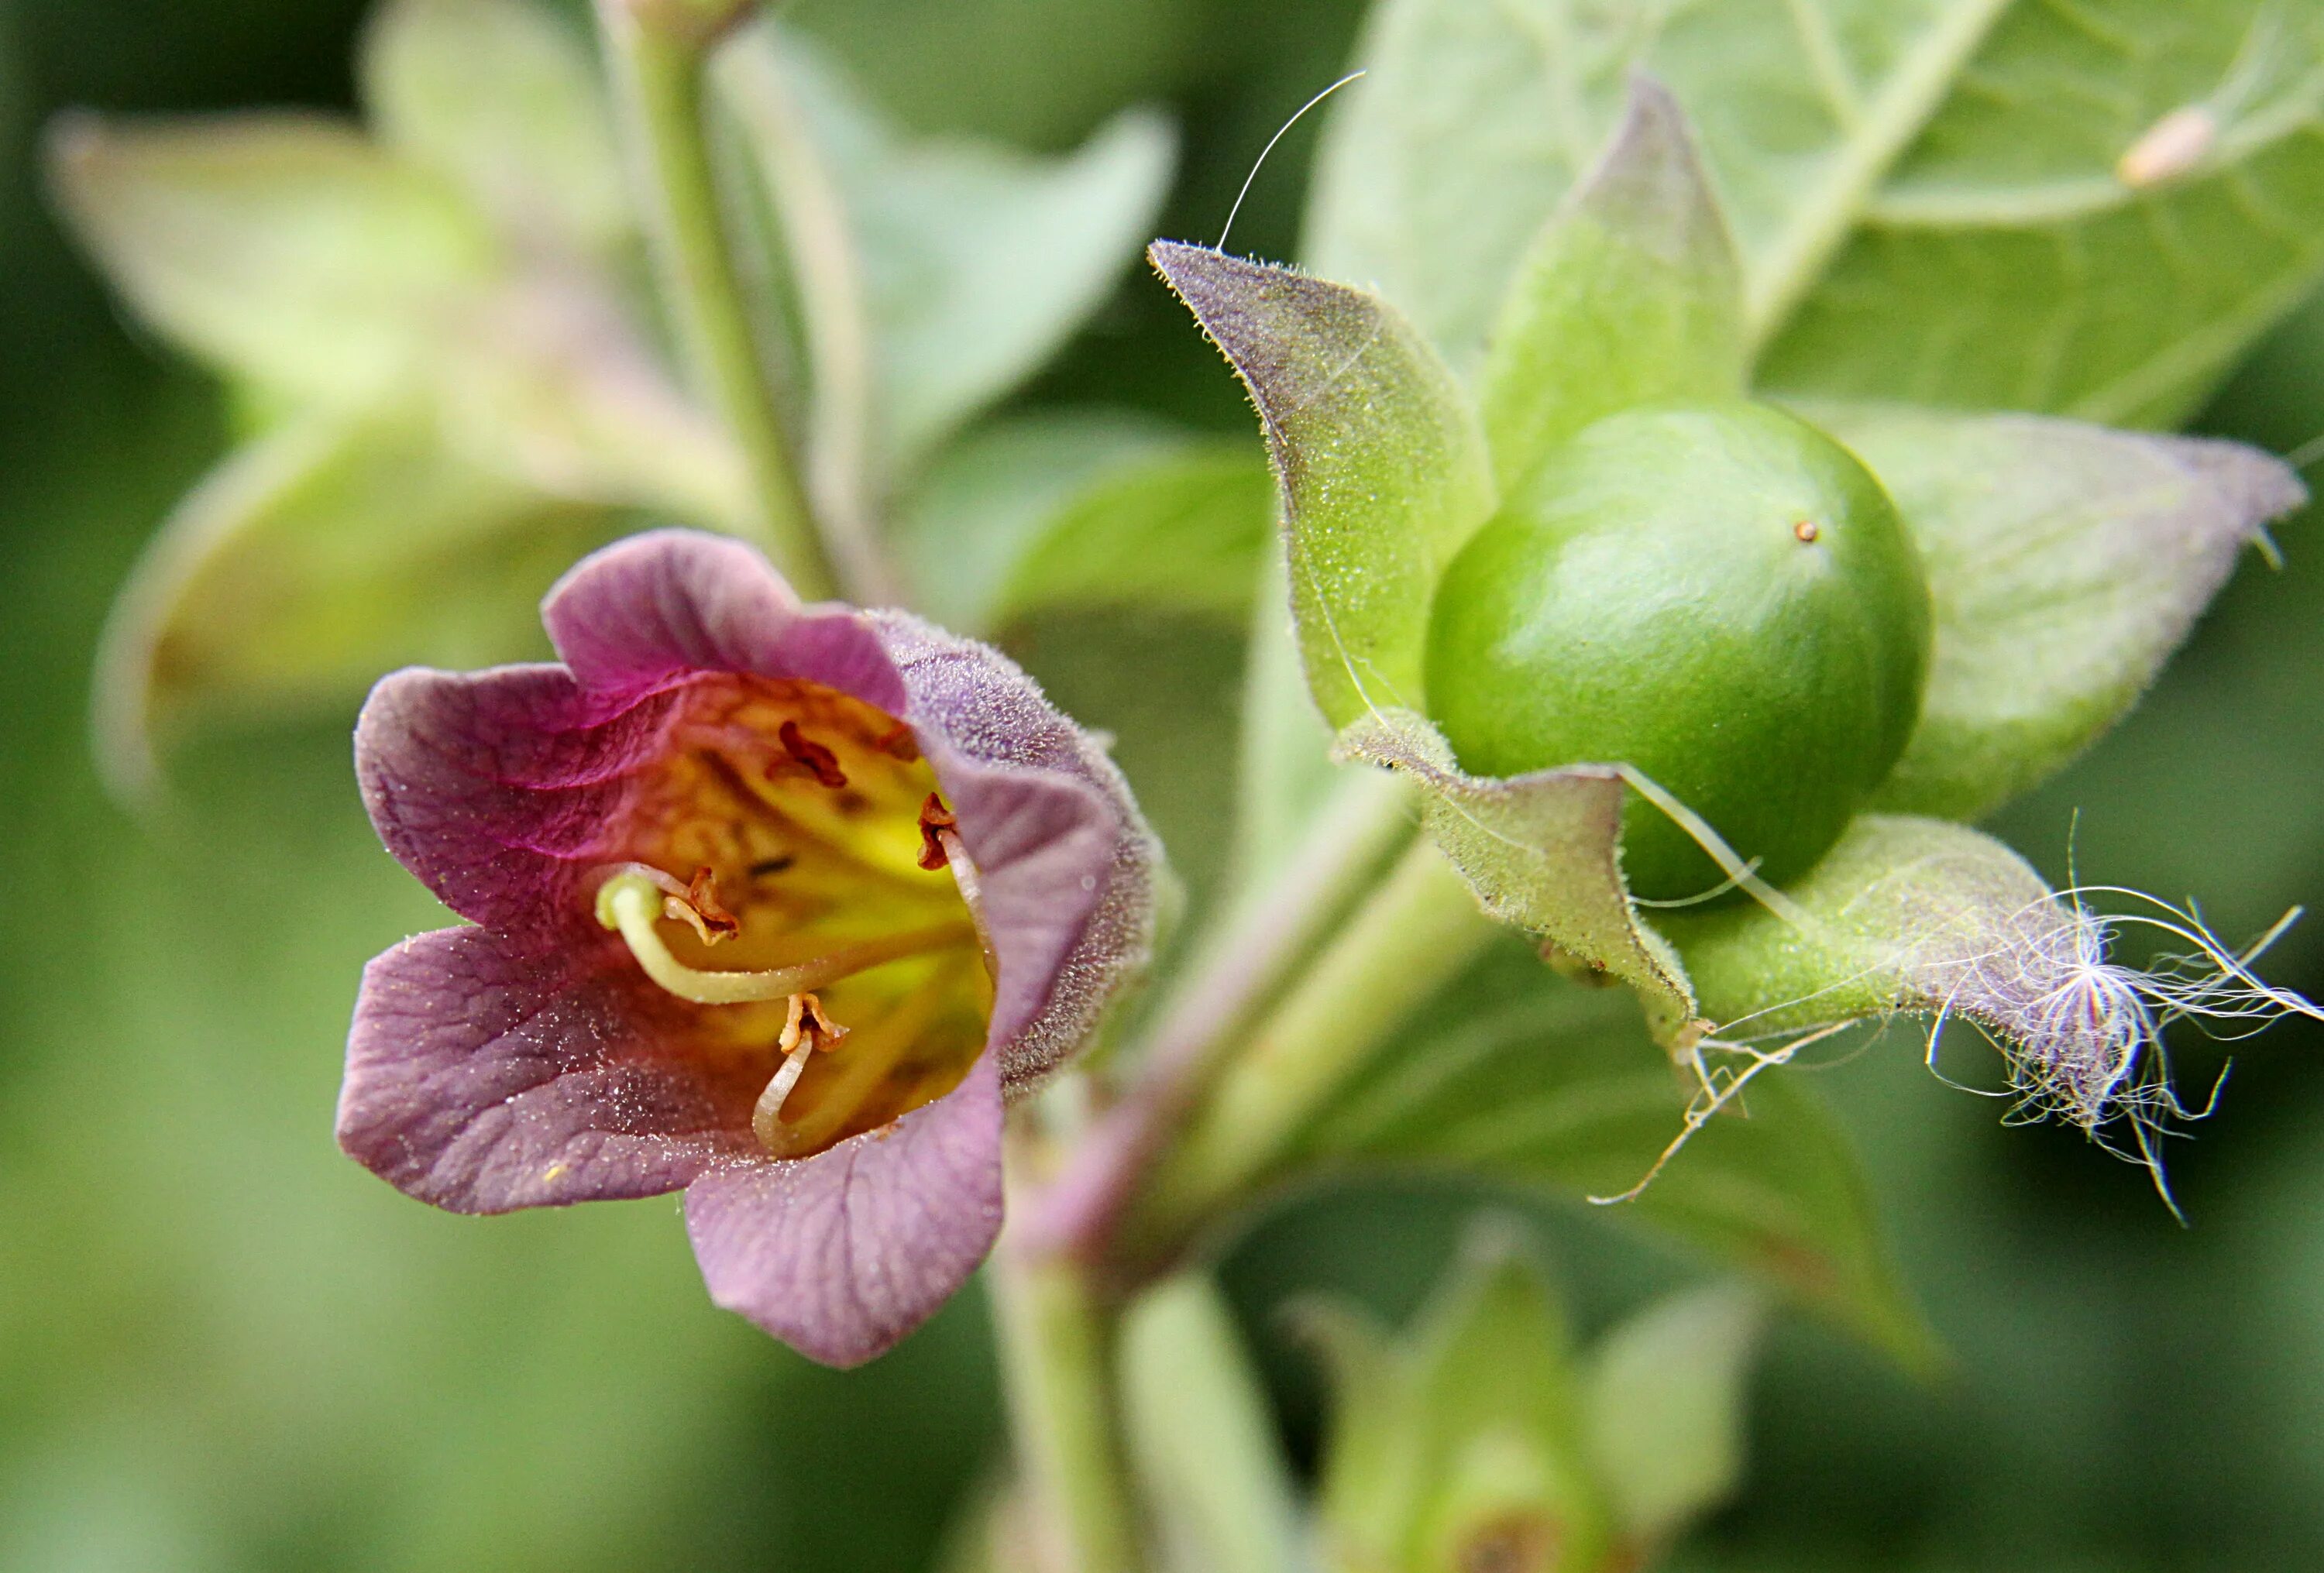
{"points": [[805, 1030], [630, 903], [935, 820], [818, 761], [700, 909]]}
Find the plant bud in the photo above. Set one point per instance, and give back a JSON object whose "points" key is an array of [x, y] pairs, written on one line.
{"points": [[1718, 595]]}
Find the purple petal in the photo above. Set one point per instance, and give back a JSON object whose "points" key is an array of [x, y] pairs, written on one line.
{"points": [[671, 604], [496, 788], [481, 1077], [1067, 863], [843, 1253]]}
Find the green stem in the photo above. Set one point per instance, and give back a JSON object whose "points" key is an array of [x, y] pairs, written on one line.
{"points": [[1056, 1365], [1410, 938], [658, 76]]}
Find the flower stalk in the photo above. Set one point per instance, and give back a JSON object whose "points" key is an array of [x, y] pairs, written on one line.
{"points": [[658, 80], [1414, 935], [1056, 1370]]}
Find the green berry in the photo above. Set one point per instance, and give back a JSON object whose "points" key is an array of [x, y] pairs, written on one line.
{"points": [[1720, 595]]}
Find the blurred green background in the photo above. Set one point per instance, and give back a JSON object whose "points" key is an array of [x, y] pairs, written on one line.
{"points": [[223, 1346]]}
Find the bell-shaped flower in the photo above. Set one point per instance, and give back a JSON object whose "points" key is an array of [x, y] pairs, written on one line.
{"points": [[771, 903]]}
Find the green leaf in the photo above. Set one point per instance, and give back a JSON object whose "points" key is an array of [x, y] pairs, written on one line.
{"points": [[1542, 851], [1458, 1443], [2065, 564], [1666, 1391], [986, 500], [504, 98], [2005, 261], [1201, 1437], [281, 247], [1631, 294], [548, 383], [1182, 532], [1514, 1077], [1928, 195], [1438, 170], [1382, 466], [976, 261], [310, 563]]}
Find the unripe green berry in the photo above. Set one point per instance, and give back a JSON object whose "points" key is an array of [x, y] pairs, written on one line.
{"points": [[1718, 595]]}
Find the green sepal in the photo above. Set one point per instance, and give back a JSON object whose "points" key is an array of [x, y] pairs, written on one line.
{"points": [[1464, 1436], [2065, 564], [1904, 915], [1542, 852], [1665, 1395], [1632, 294], [1378, 452], [1201, 1437]]}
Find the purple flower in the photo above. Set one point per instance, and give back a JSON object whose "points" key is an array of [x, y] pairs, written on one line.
{"points": [[774, 904]]}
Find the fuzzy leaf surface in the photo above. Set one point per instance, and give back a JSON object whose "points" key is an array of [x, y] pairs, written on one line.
{"points": [[504, 98], [1925, 192], [280, 247], [1559, 1087], [2065, 564], [1378, 456], [1903, 915], [1542, 851], [1631, 294]]}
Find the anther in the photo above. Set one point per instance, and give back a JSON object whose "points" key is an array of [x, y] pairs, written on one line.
{"points": [[804, 1030], [700, 910], [935, 845], [817, 760]]}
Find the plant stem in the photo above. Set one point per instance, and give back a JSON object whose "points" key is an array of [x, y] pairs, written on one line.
{"points": [[1056, 1364], [1407, 940], [828, 275], [1244, 961], [657, 78]]}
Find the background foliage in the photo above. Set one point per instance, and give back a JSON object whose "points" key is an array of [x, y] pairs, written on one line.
{"points": [[222, 1347]]}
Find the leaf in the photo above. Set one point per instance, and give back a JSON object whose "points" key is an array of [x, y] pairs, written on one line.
{"points": [[1180, 533], [1927, 194], [281, 247], [545, 381], [1516, 1078], [1542, 851], [977, 262], [310, 562], [2004, 261], [1201, 1437], [504, 98], [1437, 171], [1631, 294], [2065, 564], [984, 500], [1382, 467], [1666, 1390]]}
